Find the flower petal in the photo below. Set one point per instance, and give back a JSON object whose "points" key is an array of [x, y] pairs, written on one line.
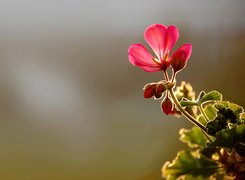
{"points": [[181, 56], [171, 37], [154, 36], [150, 68], [139, 56]]}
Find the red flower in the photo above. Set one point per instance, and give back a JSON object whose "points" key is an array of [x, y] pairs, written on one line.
{"points": [[161, 39]]}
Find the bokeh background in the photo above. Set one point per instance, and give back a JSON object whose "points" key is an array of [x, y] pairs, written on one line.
{"points": [[71, 105]]}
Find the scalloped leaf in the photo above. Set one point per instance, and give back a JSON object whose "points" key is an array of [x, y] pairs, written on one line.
{"points": [[225, 118], [211, 96], [211, 113], [237, 110], [193, 137], [190, 165], [230, 137]]}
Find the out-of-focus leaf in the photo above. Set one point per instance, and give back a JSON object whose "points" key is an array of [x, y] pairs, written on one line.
{"points": [[185, 90], [210, 150], [242, 118], [190, 165], [211, 96], [211, 113], [230, 137], [193, 137]]}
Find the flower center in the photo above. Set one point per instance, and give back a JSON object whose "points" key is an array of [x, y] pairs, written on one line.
{"points": [[165, 57], [157, 61]]}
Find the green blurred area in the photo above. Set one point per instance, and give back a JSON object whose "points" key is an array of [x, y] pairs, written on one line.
{"points": [[71, 104]]}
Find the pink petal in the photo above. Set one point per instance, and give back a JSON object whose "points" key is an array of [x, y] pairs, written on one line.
{"points": [[150, 69], [181, 56], [154, 36], [139, 56], [171, 37]]}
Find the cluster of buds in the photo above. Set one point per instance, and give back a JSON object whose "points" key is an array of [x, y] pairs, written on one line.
{"points": [[155, 90], [159, 90]]}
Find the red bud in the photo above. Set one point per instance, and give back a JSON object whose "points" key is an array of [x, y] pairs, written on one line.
{"points": [[149, 90], [180, 57], [167, 105], [179, 62], [160, 88]]}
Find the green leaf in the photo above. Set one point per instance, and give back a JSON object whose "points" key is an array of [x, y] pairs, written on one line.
{"points": [[193, 137], [211, 113], [230, 137], [190, 165], [201, 94], [211, 96], [187, 103], [225, 119], [214, 126], [237, 110]]}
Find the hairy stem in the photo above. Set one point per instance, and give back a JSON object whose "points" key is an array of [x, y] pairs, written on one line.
{"points": [[187, 115], [166, 75], [203, 113], [173, 76]]}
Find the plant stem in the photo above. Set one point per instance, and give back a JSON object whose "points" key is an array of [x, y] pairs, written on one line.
{"points": [[187, 115], [166, 75], [173, 76], [203, 113]]}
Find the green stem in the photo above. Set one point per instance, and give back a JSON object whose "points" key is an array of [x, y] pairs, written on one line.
{"points": [[187, 115], [203, 113]]}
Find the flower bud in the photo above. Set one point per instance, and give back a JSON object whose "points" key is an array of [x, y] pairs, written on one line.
{"points": [[167, 105], [161, 87], [149, 90], [180, 57], [158, 96], [179, 62]]}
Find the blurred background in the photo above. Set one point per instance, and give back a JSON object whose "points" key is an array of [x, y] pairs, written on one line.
{"points": [[71, 105]]}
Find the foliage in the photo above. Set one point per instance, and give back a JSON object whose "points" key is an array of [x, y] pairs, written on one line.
{"points": [[219, 154], [190, 165]]}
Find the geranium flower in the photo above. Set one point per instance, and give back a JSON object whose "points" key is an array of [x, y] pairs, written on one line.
{"points": [[161, 39]]}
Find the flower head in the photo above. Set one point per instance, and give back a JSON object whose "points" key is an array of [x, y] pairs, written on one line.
{"points": [[161, 39]]}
